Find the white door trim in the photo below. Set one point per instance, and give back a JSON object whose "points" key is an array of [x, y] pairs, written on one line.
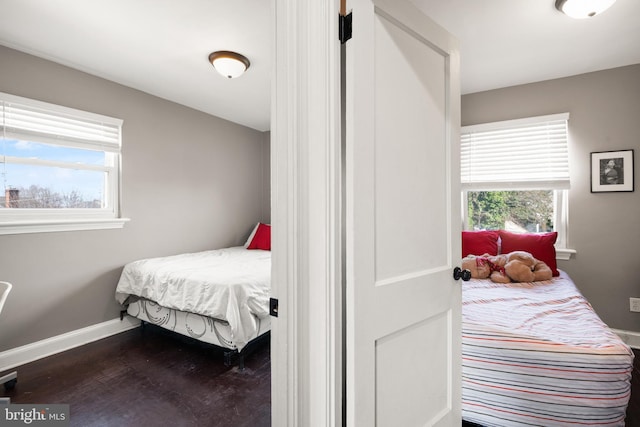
{"points": [[306, 215]]}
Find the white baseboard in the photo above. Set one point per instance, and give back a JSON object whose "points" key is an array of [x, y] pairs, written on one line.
{"points": [[632, 339], [28, 353]]}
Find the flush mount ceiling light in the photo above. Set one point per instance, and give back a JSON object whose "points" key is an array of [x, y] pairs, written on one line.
{"points": [[229, 64], [580, 9]]}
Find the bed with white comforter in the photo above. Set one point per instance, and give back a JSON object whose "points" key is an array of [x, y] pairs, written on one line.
{"points": [[224, 292]]}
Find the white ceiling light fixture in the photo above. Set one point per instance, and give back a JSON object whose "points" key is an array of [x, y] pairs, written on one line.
{"points": [[229, 64], [580, 9]]}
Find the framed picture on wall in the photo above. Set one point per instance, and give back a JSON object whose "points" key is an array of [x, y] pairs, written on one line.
{"points": [[611, 171]]}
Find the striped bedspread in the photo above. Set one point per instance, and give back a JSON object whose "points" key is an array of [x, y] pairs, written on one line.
{"points": [[536, 354]]}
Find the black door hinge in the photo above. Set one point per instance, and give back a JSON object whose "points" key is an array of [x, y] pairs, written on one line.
{"points": [[345, 23], [273, 307]]}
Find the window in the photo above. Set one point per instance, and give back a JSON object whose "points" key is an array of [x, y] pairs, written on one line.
{"points": [[515, 176], [60, 168]]}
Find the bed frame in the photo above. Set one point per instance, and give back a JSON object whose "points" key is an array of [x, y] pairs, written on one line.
{"points": [[230, 353]]}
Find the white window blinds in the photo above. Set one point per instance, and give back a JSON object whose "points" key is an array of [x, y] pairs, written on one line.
{"points": [[527, 153], [26, 119]]}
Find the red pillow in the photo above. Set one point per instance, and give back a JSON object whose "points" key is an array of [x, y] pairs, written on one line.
{"points": [[540, 245], [261, 238], [479, 242]]}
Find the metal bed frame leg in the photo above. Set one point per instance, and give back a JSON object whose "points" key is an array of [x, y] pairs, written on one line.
{"points": [[9, 380], [230, 357]]}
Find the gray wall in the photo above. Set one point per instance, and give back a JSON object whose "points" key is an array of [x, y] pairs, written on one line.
{"points": [[190, 182], [266, 178], [604, 228]]}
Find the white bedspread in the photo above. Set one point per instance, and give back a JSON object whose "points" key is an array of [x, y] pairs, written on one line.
{"points": [[231, 284]]}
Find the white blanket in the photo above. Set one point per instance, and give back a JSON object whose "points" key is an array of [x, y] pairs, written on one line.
{"points": [[231, 284]]}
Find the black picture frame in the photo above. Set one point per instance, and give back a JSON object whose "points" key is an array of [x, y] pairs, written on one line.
{"points": [[612, 171]]}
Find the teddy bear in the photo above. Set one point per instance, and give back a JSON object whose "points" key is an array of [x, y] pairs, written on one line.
{"points": [[486, 266], [476, 265], [521, 266], [517, 266]]}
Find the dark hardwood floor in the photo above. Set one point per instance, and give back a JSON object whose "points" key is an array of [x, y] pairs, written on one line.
{"points": [[150, 377]]}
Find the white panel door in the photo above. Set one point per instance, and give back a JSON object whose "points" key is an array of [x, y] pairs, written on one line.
{"points": [[402, 105]]}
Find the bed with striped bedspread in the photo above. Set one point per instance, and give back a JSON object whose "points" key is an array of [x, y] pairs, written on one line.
{"points": [[536, 354]]}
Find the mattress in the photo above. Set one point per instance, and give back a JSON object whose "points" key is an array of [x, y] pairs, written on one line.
{"points": [[536, 354], [230, 285]]}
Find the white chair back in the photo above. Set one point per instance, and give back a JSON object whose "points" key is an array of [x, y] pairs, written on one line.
{"points": [[5, 287], [9, 380]]}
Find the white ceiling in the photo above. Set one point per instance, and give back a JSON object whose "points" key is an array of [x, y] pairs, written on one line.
{"points": [[161, 46], [157, 46], [512, 42]]}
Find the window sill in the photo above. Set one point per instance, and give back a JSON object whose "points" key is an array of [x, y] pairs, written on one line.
{"points": [[54, 225], [564, 254]]}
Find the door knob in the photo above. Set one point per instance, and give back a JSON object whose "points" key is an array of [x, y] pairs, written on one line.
{"points": [[459, 273]]}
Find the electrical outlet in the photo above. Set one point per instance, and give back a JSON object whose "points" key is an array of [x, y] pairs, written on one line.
{"points": [[634, 304]]}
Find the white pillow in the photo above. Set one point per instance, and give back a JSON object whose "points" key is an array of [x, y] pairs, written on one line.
{"points": [[253, 233]]}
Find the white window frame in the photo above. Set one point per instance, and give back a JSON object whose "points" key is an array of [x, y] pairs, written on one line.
{"points": [[72, 128], [560, 187]]}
